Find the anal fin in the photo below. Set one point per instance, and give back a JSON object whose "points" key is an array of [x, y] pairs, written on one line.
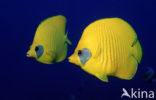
{"points": [[128, 71], [103, 78]]}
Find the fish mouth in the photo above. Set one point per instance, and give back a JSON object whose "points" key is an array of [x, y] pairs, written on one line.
{"points": [[29, 54], [69, 59], [74, 61]]}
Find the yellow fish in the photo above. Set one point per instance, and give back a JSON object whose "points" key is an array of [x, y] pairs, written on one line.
{"points": [[50, 42], [108, 47]]}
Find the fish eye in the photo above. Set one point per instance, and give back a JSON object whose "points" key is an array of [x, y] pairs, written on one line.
{"points": [[39, 51], [84, 55], [36, 48], [79, 52]]}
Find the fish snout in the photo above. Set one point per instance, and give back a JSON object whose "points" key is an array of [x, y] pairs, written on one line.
{"points": [[71, 59], [29, 54], [74, 60]]}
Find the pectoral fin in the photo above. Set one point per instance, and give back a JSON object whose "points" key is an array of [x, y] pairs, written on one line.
{"points": [[67, 40]]}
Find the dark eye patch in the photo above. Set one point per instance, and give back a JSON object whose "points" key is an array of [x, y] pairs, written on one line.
{"points": [[36, 49], [79, 52], [39, 50], [84, 55]]}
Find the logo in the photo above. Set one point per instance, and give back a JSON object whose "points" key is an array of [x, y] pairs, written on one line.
{"points": [[137, 94]]}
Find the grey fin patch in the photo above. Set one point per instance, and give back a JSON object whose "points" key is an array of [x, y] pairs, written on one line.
{"points": [[39, 50], [84, 55]]}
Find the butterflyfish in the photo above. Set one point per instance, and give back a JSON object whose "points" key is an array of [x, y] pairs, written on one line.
{"points": [[108, 47], [50, 41]]}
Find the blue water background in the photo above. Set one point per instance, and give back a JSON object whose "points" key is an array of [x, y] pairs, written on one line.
{"points": [[22, 78]]}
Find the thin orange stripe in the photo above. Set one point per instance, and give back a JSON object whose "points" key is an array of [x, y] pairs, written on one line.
{"points": [[107, 50], [113, 50]]}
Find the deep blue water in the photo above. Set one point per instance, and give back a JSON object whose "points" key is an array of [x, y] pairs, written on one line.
{"points": [[22, 78]]}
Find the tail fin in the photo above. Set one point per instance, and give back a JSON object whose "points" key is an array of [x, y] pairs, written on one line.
{"points": [[137, 50]]}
